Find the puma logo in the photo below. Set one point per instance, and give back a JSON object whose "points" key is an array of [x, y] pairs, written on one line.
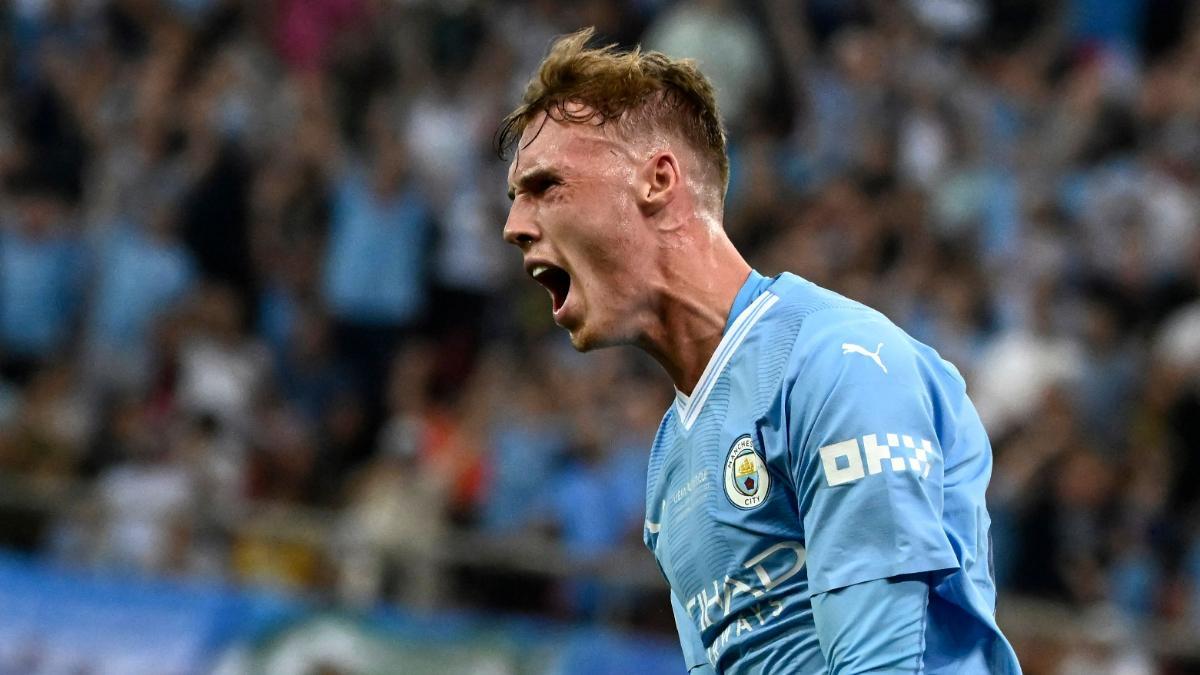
{"points": [[851, 348]]}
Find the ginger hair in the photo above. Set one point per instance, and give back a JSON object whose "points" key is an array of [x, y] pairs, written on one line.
{"points": [[632, 91]]}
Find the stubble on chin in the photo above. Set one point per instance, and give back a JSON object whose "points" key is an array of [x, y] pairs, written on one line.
{"points": [[591, 338]]}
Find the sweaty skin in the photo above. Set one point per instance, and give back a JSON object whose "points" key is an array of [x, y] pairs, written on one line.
{"points": [[633, 221]]}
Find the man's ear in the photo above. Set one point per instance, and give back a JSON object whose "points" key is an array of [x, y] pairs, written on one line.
{"points": [[659, 182]]}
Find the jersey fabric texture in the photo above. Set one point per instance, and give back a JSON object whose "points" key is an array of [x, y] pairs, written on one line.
{"points": [[821, 448]]}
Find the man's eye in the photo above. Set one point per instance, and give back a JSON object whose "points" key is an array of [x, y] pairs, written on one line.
{"points": [[539, 187]]}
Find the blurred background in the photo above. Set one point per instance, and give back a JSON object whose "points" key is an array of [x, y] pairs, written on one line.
{"points": [[274, 396]]}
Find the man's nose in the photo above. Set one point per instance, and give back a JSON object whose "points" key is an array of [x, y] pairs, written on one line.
{"points": [[519, 229]]}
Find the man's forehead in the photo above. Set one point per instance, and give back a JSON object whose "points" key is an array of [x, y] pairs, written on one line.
{"points": [[548, 142]]}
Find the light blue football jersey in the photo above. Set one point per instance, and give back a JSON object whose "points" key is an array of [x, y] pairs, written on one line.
{"points": [[822, 447]]}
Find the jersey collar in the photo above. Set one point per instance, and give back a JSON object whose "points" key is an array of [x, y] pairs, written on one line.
{"points": [[751, 302], [753, 287]]}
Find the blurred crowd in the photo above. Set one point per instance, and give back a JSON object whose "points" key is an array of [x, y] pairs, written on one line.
{"points": [[250, 259]]}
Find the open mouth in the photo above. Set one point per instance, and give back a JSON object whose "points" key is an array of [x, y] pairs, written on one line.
{"points": [[556, 280]]}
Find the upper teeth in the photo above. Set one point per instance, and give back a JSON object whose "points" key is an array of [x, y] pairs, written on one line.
{"points": [[538, 270]]}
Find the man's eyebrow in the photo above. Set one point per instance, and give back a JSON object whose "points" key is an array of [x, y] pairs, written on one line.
{"points": [[531, 177]]}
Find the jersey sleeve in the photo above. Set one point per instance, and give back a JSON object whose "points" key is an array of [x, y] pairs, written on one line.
{"points": [[877, 626], [689, 638], [864, 454]]}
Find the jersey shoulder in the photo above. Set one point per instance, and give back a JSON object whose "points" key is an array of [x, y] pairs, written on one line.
{"points": [[796, 330], [839, 341], [812, 314]]}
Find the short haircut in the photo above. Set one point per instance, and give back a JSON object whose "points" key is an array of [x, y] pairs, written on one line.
{"points": [[630, 89]]}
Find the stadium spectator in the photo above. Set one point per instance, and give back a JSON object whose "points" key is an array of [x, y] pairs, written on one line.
{"points": [[41, 280], [142, 268]]}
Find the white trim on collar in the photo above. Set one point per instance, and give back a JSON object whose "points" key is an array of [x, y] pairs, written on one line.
{"points": [[687, 408], [682, 399]]}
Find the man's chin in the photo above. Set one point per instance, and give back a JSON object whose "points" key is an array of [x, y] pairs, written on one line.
{"points": [[586, 339], [581, 341]]}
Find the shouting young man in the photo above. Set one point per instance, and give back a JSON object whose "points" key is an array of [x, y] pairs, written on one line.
{"points": [[815, 494]]}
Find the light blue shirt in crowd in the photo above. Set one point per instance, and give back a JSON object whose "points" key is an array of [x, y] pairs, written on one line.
{"points": [[137, 279], [375, 272], [40, 284]]}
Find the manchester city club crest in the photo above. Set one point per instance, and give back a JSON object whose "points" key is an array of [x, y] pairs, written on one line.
{"points": [[746, 476]]}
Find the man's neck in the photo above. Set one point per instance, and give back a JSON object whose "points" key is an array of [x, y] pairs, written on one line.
{"points": [[697, 294]]}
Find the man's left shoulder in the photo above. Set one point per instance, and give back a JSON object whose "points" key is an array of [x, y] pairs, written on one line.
{"points": [[850, 342], [822, 315], [833, 341]]}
